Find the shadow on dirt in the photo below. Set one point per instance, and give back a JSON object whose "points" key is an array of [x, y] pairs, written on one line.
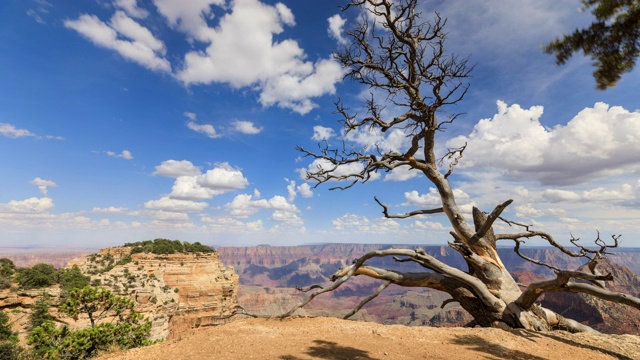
{"points": [[498, 351], [585, 346], [331, 350], [477, 343]]}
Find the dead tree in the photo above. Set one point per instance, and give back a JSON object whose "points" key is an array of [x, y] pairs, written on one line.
{"points": [[395, 52]]}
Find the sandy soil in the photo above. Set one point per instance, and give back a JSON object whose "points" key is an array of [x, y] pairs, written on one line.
{"points": [[330, 338]]}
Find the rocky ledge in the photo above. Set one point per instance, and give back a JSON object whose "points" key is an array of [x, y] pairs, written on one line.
{"points": [[177, 292]]}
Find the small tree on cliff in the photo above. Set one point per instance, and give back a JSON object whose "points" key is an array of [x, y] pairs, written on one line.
{"points": [[394, 52], [40, 312], [98, 304], [114, 323]]}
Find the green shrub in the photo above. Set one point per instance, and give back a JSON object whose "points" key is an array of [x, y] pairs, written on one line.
{"points": [[124, 260], [7, 267], [114, 323], [5, 283], [40, 313], [73, 278], [6, 333], [54, 343], [37, 276], [10, 350], [166, 246]]}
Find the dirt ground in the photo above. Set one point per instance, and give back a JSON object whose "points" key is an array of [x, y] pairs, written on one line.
{"points": [[330, 338]]}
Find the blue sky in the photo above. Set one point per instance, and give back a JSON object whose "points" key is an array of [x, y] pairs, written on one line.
{"points": [[125, 120]]}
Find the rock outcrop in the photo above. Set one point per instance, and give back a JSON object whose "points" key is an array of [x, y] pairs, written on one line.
{"points": [[177, 292]]}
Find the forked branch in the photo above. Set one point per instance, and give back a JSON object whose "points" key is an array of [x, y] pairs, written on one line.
{"points": [[385, 211], [562, 283]]}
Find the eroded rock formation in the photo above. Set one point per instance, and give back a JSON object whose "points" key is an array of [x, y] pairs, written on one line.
{"points": [[177, 292], [269, 275]]}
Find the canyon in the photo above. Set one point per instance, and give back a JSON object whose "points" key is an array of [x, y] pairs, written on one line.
{"points": [[177, 292], [181, 292], [269, 276]]}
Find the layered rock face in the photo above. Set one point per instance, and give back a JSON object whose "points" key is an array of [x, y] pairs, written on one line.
{"points": [[17, 304], [270, 274], [278, 256], [177, 292]]}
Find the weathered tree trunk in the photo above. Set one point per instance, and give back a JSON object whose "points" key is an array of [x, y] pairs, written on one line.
{"points": [[405, 59]]}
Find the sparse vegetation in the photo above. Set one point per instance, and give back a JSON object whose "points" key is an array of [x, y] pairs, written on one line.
{"points": [[124, 260], [40, 312], [125, 328], [7, 267], [73, 278], [5, 283], [9, 348], [7, 270], [166, 246]]}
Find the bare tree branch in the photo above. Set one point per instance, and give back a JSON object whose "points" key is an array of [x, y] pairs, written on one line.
{"points": [[367, 299], [413, 84], [385, 211], [562, 284], [455, 154]]}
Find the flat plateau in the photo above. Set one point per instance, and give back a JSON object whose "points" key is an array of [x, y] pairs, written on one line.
{"points": [[331, 338]]}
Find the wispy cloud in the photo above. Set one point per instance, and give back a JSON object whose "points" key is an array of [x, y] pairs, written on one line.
{"points": [[206, 129], [43, 184], [125, 154], [140, 45], [11, 131]]}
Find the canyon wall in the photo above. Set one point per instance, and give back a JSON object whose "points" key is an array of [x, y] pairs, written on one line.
{"points": [[269, 276], [177, 292]]}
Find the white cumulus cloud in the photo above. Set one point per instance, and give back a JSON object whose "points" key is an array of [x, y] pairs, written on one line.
{"points": [[109, 210], [598, 142], [28, 206], [245, 205], [246, 127], [336, 25], [321, 133], [177, 168], [305, 190], [402, 173], [242, 52], [221, 179], [206, 129]]}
